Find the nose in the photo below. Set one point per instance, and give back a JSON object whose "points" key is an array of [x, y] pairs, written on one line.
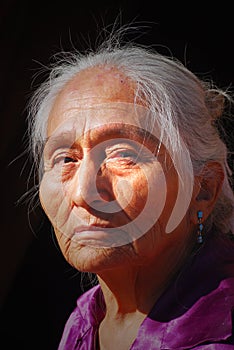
{"points": [[90, 187]]}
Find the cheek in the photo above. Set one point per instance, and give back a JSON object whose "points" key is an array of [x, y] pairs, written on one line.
{"points": [[172, 192], [142, 194], [131, 193], [53, 200]]}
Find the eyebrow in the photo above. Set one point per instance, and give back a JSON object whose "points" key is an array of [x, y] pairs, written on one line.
{"points": [[128, 131], [68, 138], [64, 139]]}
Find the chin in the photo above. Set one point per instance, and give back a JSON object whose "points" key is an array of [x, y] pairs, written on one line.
{"points": [[95, 259]]}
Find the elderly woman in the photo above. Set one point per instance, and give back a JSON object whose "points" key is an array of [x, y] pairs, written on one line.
{"points": [[134, 178]]}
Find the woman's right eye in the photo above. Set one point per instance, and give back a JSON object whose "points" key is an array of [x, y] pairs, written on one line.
{"points": [[63, 159], [69, 160]]}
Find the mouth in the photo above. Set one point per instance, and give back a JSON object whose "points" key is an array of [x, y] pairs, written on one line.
{"points": [[98, 235], [92, 228]]}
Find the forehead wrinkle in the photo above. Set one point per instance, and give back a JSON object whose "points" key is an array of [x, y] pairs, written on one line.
{"points": [[118, 131], [101, 133]]}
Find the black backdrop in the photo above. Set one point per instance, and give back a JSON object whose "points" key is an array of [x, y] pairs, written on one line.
{"points": [[38, 288]]}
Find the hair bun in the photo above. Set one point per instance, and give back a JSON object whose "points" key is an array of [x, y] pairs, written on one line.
{"points": [[215, 103]]}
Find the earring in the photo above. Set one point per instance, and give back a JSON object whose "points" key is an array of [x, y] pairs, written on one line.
{"points": [[200, 227]]}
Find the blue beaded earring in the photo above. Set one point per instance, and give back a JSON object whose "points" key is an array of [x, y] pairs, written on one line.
{"points": [[200, 227]]}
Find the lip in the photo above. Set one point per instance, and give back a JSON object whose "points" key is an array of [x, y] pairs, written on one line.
{"points": [[93, 231], [105, 236], [98, 236], [92, 228]]}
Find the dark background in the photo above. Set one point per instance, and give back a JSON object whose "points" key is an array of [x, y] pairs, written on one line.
{"points": [[38, 288]]}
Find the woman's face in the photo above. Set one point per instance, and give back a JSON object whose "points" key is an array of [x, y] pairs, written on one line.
{"points": [[108, 187]]}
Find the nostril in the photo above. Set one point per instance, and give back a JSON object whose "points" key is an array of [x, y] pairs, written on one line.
{"points": [[99, 172], [104, 195], [104, 206]]}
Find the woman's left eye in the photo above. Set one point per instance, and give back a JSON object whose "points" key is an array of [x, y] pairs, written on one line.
{"points": [[124, 155]]}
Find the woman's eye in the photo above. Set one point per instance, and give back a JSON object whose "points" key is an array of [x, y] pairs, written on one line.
{"points": [[69, 160], [61, 159], [122, 156]]}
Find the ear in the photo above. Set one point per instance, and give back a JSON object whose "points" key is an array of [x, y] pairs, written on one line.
{"points": [[208, 186]]}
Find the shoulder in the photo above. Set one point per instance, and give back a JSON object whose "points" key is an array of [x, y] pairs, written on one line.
{"points": [[215, 346], [90, 302], [85, 318], [197, 309]]}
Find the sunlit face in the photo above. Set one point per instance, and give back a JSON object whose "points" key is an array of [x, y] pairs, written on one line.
{"points": [[109, 186]]}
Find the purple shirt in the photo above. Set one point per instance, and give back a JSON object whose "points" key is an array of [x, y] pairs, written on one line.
{"points": [[195, 312]]}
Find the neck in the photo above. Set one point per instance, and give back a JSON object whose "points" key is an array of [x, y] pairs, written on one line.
{"points": [[130, 290], [124, 293]]}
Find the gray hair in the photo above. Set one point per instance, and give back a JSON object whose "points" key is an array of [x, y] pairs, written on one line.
{"points": [[181, 103]]}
